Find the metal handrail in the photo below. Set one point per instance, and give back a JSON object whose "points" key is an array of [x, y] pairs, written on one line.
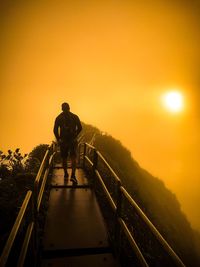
{"points": [[112, 203], [40, 194], [15, 228], [108, 166], [90, 146], [34, 198], [40, 171], [153, 229], [134, 245], [24, 249], [88, 160], [104, 161]]}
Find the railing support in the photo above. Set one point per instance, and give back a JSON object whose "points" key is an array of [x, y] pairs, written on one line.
{"points": [[95, 160], [79, 156], [94, 167], [120, 224], [35, 217], [84, 154], [14, 231], [32, 200], [118, 215]]}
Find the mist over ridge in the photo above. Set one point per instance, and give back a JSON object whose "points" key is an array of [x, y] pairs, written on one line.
{"points": [[151, 194]]}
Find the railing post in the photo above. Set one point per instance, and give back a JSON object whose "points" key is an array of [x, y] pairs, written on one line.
{"points": [[94, 167], [80, 145], [52, 151], [84, 154], [119, 199], [35, 216], [33, 238], [117, 216], [95, 159]]}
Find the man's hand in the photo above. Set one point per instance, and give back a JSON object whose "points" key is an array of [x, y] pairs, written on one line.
{"points": [[59, 141]]}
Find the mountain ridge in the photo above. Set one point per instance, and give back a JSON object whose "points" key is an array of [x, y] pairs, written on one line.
{"points": [[151, 194]]}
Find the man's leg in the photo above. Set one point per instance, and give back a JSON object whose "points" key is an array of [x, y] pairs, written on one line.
{"points": [[64, 154], [73, 149], [73, 161], [64, 163], [73, 176]]}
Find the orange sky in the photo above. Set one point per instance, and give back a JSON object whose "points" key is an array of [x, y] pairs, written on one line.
{"points": [[112, 61]]}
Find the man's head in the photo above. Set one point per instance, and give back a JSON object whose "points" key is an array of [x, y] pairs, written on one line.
{"points": [[65, 107]]}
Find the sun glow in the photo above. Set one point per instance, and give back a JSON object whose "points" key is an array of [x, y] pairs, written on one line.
{"points": [[173, 101]]}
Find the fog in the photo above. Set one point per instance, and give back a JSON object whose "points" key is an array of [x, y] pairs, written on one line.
{"points": [[111, 61]]}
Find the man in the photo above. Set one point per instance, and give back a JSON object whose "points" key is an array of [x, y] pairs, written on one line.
{"points": [[66, 129]]}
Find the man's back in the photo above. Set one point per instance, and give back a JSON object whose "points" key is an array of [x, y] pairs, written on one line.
{"points": [[69, 125]]}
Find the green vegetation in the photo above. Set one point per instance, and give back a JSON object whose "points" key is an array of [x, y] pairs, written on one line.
{"points": [[12, 163]]}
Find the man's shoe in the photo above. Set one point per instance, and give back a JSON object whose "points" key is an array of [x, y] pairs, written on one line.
{"points": [[66, 175], [73, 179]]}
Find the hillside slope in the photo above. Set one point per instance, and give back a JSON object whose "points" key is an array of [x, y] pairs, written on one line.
{"points": [[154, 198]]}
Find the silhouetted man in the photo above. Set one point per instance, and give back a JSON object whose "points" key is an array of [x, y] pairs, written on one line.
{"points": [[66, 129]]}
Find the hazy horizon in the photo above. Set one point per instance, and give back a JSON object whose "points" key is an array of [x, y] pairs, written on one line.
{"points": [[112, 61]]}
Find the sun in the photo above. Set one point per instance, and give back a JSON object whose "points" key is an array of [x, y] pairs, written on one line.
{"points": [[173, 101]]}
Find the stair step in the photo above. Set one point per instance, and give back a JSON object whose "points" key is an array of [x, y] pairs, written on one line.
{"points": [[50, 254], [96, 260]]}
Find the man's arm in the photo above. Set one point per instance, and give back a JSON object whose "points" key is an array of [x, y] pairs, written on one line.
{"points": [[55, 129], [79, 126]]}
